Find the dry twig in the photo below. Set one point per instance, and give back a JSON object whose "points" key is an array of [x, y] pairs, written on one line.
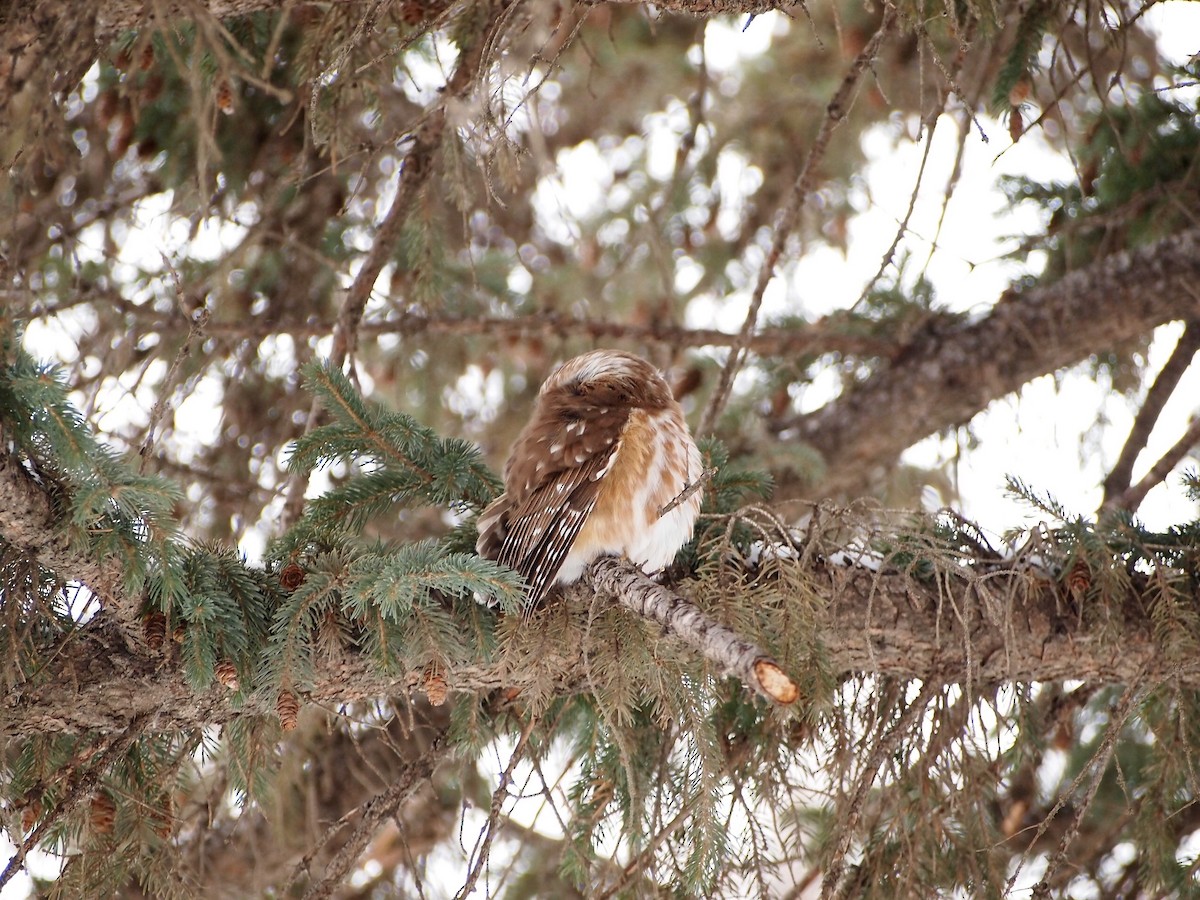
{"points": [[835, 113], [1121, 476], [374, 812], [686, 621]]}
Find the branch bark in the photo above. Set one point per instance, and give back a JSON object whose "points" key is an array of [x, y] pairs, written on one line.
{"points": [[1120, 478], [684, 620], [28, 524], [952, 371], [1008, 624]]}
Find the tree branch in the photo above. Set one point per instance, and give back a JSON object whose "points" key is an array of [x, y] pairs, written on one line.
{"points": [[376, 811], [954, 369], [81, 785], [28, 524], [1132, 498], [1007, 624], [825, 336], [1121, 476], [785, 223], [415, 171], [318, 809], [684, 620]]}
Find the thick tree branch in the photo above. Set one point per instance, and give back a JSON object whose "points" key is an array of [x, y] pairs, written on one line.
{"points": [[952, 371], [27, 523], [1008, 624]]}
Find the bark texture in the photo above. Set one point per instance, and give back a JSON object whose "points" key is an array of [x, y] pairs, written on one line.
{"points": [[684, 620], [1005, 624], [953, 370], [27, 523]]}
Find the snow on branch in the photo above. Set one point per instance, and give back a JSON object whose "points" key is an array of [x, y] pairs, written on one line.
{"points": [[1005, 622]]}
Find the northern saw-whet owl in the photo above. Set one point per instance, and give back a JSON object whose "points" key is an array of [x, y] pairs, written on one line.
{"points": [[606, 449]]}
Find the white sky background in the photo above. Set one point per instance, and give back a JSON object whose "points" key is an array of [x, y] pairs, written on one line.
{"points": [[1042, 436]]}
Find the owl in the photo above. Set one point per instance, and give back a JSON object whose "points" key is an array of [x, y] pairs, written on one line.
{"points": [[606, 449]]}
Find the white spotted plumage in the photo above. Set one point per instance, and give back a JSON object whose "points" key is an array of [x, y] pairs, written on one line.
{"points": [[606, 449]]}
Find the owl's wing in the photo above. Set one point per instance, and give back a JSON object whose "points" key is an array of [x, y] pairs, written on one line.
{"points": [[541, 528]]}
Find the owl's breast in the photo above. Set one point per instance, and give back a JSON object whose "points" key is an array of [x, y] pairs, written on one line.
{"points": [[655, 460]]}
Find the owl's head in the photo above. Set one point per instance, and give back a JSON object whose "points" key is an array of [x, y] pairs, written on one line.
{"points": [[608, 378]]}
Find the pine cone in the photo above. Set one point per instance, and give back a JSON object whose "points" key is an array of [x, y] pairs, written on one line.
{"points": [[151, 89], [226, 673], [288, 708], [1079, 579], [163, 824], [126, 124], [1064, 735], [1020, 91], [107, 105], [103, 814], [414, 12], [154, 630], [225, 97], [32, 811], [1016, 124], [434, 684], [291, 577]]}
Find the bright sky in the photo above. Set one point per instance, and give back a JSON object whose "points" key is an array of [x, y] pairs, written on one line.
{"points": [[1038, 436]]}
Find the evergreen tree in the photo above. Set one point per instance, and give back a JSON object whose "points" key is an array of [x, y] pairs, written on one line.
{"points": [[281, 281]]}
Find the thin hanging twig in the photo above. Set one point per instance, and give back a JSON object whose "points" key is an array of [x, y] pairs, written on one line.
{"points": [[375, 812], [835, 113]]}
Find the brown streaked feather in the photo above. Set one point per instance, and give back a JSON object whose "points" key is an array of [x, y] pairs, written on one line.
{"points": [[554, 475], [559, 440], [540, 531], [493, 526]]}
